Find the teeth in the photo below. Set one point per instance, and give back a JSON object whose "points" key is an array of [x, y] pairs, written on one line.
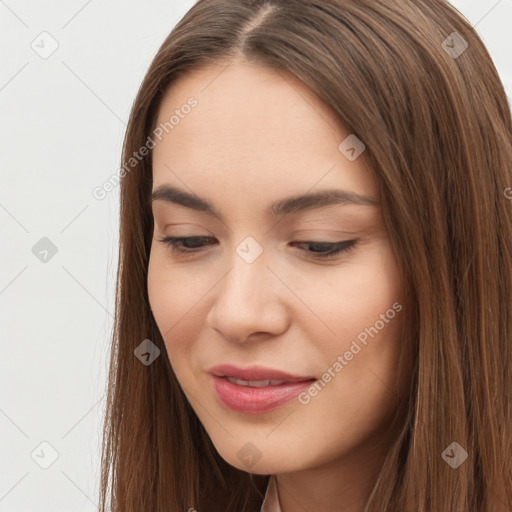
{"points": [[255, 383]]}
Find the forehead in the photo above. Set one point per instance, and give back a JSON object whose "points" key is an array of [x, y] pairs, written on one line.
{"points": [[253, 129]]}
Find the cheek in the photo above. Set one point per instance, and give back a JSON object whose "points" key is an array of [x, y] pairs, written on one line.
{"points": [[172, 292], [178, 305], [167, 298], [365, 311], [356, 298], [161, 293]]}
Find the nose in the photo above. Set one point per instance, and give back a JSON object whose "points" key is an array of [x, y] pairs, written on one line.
{"points": [[250, 302]]}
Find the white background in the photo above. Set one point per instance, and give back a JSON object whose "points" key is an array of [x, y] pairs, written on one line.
{"points": [[63, 121]]}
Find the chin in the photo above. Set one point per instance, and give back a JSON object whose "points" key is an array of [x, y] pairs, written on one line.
{"points": [[250, 459]]}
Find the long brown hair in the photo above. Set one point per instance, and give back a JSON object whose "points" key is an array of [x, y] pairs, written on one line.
{"points": [[432, 112]]}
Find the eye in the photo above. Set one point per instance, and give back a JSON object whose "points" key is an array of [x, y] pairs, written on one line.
{"points": [[175, 243], [320, 250], [328, 249]]}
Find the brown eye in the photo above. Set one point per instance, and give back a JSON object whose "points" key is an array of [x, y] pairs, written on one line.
{"points": [[191, 243], [328, 249], [320, 250]]}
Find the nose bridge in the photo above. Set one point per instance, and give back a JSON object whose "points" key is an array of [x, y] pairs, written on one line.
{"points": [[248, 280], [247, 299]]}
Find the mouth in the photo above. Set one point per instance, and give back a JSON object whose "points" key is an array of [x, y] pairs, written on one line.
{"points": [[256, 376], [257, 389], [254, 383]]}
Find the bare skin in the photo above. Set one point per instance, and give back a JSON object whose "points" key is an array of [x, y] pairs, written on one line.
{"points": [[257, 136]]}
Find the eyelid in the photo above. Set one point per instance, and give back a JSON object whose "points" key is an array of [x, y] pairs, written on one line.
{"points": [[339, 247]]}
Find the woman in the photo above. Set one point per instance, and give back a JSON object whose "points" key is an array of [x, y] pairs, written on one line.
{"points": [[315, 266]]}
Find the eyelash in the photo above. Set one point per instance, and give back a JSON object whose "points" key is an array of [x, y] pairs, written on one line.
{"points": [[342, 247]]}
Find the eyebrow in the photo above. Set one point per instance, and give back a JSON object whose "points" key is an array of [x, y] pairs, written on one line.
{"points": [[281, 207]]}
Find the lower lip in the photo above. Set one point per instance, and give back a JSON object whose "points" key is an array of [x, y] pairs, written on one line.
{"points": [[252, 400]]}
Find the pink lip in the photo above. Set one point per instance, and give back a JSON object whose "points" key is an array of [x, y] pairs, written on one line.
{"points": [[255, 400], [255, 373]]}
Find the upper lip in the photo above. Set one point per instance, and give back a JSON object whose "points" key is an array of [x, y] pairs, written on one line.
{"points": [[255, 373]]}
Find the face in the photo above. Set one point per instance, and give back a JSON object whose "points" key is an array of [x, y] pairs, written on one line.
{"points": [[307, 288]]}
